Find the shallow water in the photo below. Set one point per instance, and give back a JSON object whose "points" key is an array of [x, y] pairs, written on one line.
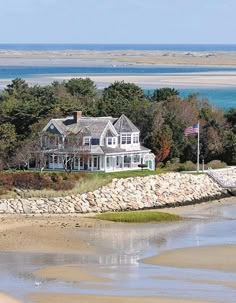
{"points": [[124, 246]]}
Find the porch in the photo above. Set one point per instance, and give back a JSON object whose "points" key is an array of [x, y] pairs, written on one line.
{"points": [[127, 162]]}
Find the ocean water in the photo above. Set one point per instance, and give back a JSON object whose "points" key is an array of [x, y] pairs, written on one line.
{"points": [[220, 97], [162, 47], [224, 98], [10, 72]]}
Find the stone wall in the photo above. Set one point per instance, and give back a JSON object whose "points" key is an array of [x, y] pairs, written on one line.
{"points": [[170, 189]]}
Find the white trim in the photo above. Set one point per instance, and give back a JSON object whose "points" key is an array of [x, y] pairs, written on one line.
{"points": [[112, 128], [45, 129]]}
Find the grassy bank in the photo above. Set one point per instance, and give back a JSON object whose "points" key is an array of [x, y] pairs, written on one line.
{"points": [[31, 184], [138, 217]]}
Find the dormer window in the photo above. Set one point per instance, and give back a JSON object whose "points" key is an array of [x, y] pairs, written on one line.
{"points": [[126, 139], [135, 138], [86, 141], [111, 141]]}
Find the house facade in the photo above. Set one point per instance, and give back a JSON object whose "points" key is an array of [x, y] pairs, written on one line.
{"points": [[79, 143]]}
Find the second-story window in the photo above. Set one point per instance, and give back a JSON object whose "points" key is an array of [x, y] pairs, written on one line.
{"points": [[86, 141], [126, 139], [111, 141], [135, 138]]}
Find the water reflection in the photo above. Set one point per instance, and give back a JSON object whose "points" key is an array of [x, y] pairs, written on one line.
{"points": [[121, 249]]}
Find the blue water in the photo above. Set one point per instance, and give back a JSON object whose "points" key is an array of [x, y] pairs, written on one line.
{"points": [[9, 72], [220, 97], [167, 47]]}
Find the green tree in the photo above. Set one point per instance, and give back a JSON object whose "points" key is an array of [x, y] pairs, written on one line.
{"points": [[117, 97], [7, 142], [163, 94], [83, 88]]}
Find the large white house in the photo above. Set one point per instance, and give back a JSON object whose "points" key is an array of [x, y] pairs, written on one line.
{"points": [[94, 144]]}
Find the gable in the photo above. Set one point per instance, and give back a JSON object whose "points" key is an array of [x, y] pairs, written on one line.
{"points": [[52, 128]]}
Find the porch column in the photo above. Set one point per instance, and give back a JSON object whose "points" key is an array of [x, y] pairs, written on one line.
{"points": [[78, 168], [131, 161], [113, 162], [105, 163], [53, 166], [122, 162], [66, 162], [92, 163]]}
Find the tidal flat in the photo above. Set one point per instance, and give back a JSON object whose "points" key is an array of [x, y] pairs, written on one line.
{"points": [[98, 261]]}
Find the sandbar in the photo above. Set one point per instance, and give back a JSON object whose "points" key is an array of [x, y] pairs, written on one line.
{"points": [[217, 257], [63, 298], [69, 273], [115, 57]]}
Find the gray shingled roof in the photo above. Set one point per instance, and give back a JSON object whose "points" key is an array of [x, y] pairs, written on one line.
{"points": [[124, 125], [93, 126]]}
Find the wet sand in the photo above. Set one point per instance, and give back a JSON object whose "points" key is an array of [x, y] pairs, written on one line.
{"points": [[221, 257], [7, 299], [69, 273], [60, 298], [47, 234], [62, 233]]}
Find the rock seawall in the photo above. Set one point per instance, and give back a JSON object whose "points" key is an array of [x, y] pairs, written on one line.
{"points": [[157, 191]]}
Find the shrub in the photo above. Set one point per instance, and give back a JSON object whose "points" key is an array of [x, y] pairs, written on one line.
{"points": [[216, 164], [187, 166]]}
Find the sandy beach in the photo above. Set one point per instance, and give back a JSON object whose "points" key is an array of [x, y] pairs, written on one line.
{"points": [[58, 298], [125, 57], [191, 80]]}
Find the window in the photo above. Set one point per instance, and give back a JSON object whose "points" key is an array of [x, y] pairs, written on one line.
{"points": [[136, 158], [126, 139], [81, 162], [111, 141], [135, 138], [86, 141]]}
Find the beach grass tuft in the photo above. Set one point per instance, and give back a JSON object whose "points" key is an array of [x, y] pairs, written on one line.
{"points": [[138, 217]]}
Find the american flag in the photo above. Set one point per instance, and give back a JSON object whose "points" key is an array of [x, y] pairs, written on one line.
{"points": [[191, 130]]}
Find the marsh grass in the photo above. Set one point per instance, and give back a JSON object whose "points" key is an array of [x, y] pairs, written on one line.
{"points": [[138, 217]]}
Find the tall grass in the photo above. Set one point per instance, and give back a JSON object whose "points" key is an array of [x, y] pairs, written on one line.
{"points": [[138, 217]]}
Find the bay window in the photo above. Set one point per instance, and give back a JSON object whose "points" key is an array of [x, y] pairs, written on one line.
{"points": [[126, 139]]}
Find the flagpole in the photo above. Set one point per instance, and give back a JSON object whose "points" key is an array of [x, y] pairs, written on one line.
{"points": [[198, 146]]}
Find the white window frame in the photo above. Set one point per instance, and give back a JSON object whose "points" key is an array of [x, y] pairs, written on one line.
{"points": [[136, 138], [126, 137], [112, 140], [86, 141], [136, 158]]}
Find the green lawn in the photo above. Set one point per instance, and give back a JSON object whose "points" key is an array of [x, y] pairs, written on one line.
{"points": [[138, 217]]}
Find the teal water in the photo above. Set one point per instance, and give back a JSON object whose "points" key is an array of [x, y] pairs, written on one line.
{"points": [[224, 98], [220, 97]]}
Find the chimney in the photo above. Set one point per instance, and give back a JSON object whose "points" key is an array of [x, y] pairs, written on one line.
{"points": [[77, 116]]}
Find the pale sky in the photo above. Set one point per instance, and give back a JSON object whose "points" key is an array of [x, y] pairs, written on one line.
{"points": [[118, 21]]}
